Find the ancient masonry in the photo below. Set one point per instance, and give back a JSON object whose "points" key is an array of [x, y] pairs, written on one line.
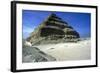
{"points": [[53, 30]]}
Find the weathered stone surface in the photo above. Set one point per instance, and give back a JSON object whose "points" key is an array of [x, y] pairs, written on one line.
{"points": [[34, 54], [53, 29]]}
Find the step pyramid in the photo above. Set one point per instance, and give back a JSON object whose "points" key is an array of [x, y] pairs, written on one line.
{"points": [[53, 29]]}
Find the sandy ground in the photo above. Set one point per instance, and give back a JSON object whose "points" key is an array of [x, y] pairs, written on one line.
{"points": [[68, 51]]}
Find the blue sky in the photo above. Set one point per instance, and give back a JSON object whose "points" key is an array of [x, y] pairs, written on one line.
{"points": [[81, 22]]}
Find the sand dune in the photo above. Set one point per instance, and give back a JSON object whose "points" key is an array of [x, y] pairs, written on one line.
{"points": [[68, 51]]}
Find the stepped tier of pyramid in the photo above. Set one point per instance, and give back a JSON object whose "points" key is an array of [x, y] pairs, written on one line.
{"points": [[53, 30]]}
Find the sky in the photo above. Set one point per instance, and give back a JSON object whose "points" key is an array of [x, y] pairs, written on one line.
{"points": [[81, 22]]}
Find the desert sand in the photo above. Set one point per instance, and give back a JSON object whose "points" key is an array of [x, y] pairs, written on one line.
{"points": [[68, 51]]}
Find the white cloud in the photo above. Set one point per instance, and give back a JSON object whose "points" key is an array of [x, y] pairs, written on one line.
{"points": [[27, 31]]}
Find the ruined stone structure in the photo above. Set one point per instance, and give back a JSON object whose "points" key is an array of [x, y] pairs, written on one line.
{"points": [[53, 29]]}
